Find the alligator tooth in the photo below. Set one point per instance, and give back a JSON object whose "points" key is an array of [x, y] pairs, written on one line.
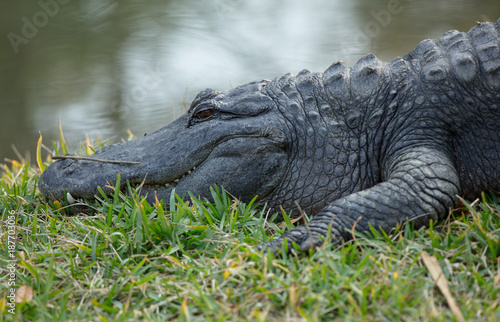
{"points": [[70, 198], [167, 185], [176, 180]]}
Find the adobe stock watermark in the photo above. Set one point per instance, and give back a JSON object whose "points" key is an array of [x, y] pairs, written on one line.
{"points": [[151, 80], [372, 28], [11, 269], [30, 27]]}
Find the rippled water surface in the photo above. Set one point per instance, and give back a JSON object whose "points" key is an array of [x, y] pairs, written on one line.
{"points": [[103, 67]]}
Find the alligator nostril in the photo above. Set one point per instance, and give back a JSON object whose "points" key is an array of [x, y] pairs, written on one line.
{"points": [[67, 163]]}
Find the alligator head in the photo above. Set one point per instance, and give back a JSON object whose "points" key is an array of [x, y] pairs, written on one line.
{"points": [[234, 139]]}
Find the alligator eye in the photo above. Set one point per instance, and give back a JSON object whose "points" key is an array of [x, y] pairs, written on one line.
{"points": [[204, 114]]}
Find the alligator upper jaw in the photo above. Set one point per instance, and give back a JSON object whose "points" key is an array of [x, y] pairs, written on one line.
{"points": [[159, 158]]}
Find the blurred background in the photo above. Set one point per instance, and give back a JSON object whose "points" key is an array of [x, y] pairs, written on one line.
{"points": [[105, 66]]}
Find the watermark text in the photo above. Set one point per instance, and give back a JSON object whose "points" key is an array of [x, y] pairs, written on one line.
{"points": [[11, 266], [30, 27]]}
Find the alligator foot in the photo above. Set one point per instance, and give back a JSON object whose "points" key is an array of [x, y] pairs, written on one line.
{"points": [[305, 237]]}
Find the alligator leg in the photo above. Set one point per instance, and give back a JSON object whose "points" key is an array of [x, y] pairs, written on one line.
{"points": [[420, 184]]}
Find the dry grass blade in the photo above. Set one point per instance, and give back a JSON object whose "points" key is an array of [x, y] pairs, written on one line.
{"points": [[74, 157], [24, 294], [437, 275]]}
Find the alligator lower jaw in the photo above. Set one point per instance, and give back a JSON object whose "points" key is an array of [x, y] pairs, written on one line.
{"points": [[143, 188]]}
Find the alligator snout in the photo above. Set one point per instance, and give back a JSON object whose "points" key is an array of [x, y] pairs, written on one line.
{"points": [[80, 177], [52, 180]]}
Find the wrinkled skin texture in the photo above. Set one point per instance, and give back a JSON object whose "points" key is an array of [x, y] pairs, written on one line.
{"points": [[377, 144]]}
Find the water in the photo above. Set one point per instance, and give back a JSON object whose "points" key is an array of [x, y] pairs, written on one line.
{"points": [[105, 66]]}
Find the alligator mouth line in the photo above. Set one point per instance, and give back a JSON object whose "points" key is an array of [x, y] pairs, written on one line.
{"points": [[169, 184]]}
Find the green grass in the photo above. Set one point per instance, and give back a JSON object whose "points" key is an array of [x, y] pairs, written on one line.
{"points": [[195, 260]]}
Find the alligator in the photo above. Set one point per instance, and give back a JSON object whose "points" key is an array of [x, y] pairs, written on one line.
{"points": [[375, 145]]}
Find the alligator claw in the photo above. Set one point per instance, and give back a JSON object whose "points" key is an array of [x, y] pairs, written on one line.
{"points": [[302, 236]]}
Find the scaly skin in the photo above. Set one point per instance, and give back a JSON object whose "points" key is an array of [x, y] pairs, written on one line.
{"points": [[377, 144]]}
